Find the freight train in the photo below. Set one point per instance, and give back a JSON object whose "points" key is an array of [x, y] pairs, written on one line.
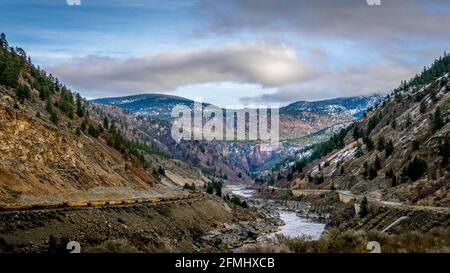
{"points": [[98, 203]]}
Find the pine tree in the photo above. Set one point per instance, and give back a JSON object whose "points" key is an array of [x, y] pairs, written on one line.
{"points": [[377, 163], [415, 169], [290, 176], [366, 170], [209, 189], [219, 191], [54, 117], [356, 132], [84, 125], [23, 92], [372, 173], [369, 143], [80, 110], [433, 96], [93, 131], [359, 151], [161, 170], [381, 143], [389, 149], [3, 41], [106, 123], [437, 121], [408, 121], [394, 181], [394, 124], [364, 207], [444, 151]]}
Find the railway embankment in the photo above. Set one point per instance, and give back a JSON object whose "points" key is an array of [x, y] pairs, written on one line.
{"points": [[178, 225]]}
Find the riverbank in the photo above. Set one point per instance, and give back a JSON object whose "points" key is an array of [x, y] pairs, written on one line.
{"points": [[296, 218], [395, 228]]}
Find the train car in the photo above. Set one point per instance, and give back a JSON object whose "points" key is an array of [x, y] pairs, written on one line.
{"points": [[76, 204], [15, 207], [141, 200], [154, 200], [129, 201], [47, 205], [115, 202], [97, 203]]}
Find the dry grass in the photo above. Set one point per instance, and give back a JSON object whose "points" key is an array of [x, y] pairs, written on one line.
{"points": [[336, 241]]}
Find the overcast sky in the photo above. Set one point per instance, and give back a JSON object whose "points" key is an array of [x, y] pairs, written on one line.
{"points": [[230, 52]]}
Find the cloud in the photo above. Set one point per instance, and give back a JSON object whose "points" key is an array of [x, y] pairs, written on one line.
{"points": [[351, 80], [344, 19], [263, 63], [313, 49]]}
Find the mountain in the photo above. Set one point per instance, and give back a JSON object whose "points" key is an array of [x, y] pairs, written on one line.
{"points": [[56, 146], [298, 120], [98, 175], [397, 151], [303, 117], [154, 105], [351, 106], [202, 155]]}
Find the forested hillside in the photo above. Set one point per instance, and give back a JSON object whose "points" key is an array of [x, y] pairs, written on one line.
{"points": [[399, 150], [57, 146]]}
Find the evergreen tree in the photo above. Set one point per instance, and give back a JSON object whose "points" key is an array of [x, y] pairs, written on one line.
{"points": [[415, 169], [433, 96], [408, 121], [209, 189], [389, 174], [415, 145], [366, 170], [161, 170], [52, 111], [369, 143], [3, 41], [54, 117], [437, 121], [219, 191], [80, 110], [290, 176], [372, 173], [389, 149], [359, 151], [364, 207], [423, 107], [23, 92], [394, 181], [381, 143], [357, 134], [394, 124], [377, 163], [93, 131], [84, 125], [106, 123], [444, 151]]}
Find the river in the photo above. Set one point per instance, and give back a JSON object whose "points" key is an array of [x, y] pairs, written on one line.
{"points": [[294, 225]]}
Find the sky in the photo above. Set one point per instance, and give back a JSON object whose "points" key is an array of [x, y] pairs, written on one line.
{"points": [[231, 53]]}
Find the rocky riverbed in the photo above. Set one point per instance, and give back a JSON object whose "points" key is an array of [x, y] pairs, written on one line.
{"points": [[287, 217], [235, 235]]}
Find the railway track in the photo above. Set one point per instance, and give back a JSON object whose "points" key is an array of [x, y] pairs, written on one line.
{"points": [[98, 203]]}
